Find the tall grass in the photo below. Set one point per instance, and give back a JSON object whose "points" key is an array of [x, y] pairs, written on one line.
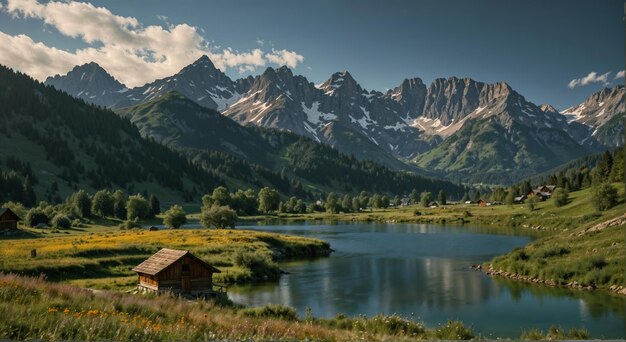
{"points": [[31, 308]]}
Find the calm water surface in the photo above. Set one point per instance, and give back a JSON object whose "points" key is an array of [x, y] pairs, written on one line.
{"points": [[423, 272]]}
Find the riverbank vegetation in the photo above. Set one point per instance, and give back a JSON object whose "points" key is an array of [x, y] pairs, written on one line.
{"points": [[590, 257], [103, 258]]}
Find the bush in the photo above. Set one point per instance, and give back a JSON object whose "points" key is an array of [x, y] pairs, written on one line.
{"points": [[561, 197], [260, 264], [218, 216], [417, 212], [35, 216], [453, 330], [389, 325], [532, 203], [61, 221], [130, 224], [272, 311], [175, 217], [605, 196]]}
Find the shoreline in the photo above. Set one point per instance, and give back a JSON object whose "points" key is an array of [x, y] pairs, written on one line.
{"points": [[492, 272]]}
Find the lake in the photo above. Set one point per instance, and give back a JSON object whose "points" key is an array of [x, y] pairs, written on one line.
{"points": [[422, 272]]}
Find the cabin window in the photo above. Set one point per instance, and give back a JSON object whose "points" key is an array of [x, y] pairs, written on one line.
{"points": [[185, 268]]}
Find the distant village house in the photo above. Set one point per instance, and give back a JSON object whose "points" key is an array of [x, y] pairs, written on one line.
{"points": [[8, 220], [542, 193], [177, 271]]}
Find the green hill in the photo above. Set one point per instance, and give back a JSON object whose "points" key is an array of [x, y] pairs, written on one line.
{"points": [[63, 144]]}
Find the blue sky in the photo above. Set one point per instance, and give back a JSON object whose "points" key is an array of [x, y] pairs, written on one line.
{"points": [[538, 47]]}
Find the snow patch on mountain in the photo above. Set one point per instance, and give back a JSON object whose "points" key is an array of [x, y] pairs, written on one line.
{"points": [[314, 116]]}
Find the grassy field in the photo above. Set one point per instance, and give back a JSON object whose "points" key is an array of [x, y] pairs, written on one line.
{"points": [[33, 309], [103, 257]]}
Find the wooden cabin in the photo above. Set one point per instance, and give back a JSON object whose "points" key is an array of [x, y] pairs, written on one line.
{"points": [[8, 220], [481, 203], [171, 270]]}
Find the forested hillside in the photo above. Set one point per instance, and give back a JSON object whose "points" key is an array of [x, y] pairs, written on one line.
{"points": [[52, 144]]}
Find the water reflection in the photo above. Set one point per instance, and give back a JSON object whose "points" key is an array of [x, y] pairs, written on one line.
{"points": [[423, 271]]}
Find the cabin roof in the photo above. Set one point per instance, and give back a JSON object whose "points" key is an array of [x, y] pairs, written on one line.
{"points": [[7, 210], [163, 259]]}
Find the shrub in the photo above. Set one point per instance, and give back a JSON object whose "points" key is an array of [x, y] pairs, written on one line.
{"points": [[175, 217], [532, 335], [218, 216], [61, 221], [561, 197], [272, 311], [417, 212], [578, 334], [605, 196], [35, 216], [130, 224], [390, 325], [532, 203], [453, 330], [260, 264]]}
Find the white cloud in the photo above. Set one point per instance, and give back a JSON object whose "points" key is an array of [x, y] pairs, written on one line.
{"points": [[284, 57], [619, 75], [260, 42], [592, 77], [132, 53]]}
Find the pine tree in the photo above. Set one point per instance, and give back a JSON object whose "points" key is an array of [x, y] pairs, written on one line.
{"points": [[155, 205], [441, 198]]}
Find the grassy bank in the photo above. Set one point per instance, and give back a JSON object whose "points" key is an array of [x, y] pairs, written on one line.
{"points": [[590, 257], [35, 309], [546, 216], [104, 258]]}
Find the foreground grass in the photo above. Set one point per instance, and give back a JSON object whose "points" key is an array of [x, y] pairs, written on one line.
{"points": [[32, 308], [104, 259]]}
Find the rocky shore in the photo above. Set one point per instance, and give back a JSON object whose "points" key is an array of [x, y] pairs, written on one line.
{"points": [[492, 272]]}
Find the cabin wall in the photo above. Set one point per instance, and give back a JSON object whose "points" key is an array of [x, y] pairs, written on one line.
{"points": [[148, 280], [171, 278], [175, 271], [8, 225], [8, 222]]}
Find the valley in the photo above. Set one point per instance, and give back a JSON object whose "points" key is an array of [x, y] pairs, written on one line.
{"points": [[312, 170]]}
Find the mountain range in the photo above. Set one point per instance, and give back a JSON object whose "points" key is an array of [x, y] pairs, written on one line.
{"points": [[456, 128], [169, 146]]}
